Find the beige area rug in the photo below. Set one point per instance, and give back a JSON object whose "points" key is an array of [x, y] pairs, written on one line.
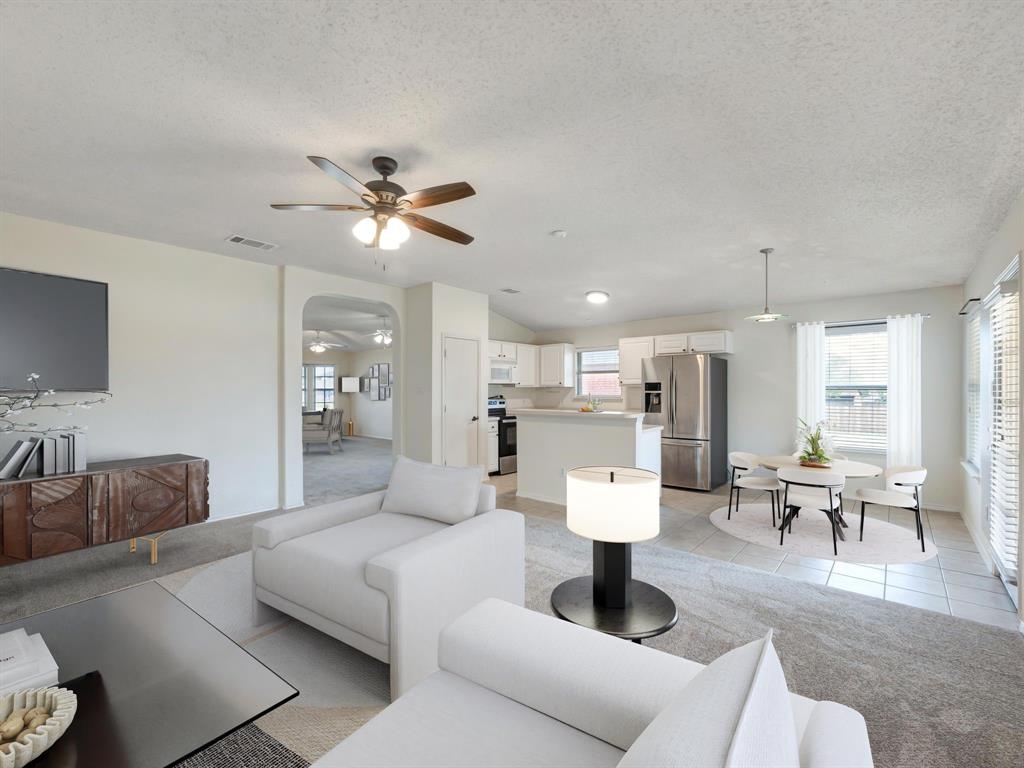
{"points": [[884, 543], [340, 689]]}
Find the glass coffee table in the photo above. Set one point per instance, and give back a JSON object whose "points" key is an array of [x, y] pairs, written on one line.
{"points": [[156, 682]]}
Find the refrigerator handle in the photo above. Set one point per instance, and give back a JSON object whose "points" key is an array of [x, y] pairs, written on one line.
{"points": [[672, 399]]}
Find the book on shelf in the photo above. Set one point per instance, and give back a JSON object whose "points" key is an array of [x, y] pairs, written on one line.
{"points": [[31, 463], [78, 441], [63, 454], [14, 459], [49, 455]]}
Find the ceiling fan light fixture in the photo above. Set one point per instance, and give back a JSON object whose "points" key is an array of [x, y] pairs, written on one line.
{"points": [[597, 297], [388, 240], [316, 348], [365, 230], [397, 229], [378, 337]]}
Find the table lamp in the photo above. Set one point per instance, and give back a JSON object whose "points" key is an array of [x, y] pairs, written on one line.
{"points": [[614, 506]]}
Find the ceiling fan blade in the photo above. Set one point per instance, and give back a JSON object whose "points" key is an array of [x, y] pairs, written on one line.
{"points": [[445, 193], [317, 207], [342, 176], [437, 228]]}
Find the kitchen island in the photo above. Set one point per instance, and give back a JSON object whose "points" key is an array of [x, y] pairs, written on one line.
{"points": [[552, 441]]}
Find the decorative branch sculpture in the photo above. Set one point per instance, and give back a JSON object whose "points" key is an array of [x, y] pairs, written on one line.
{"points": [[14, 402]]}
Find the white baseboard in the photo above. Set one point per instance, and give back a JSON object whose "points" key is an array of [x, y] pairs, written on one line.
{"points": [[375, 437]]}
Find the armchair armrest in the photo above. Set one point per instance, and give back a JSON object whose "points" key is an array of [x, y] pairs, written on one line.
{"points": [[433, 579], [271, 532], [601, 685]]}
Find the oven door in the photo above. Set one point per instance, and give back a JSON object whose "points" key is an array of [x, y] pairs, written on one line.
{"points": [[507, 460]]}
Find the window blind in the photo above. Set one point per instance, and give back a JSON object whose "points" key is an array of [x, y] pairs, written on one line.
{"points": [[856, 384], [1004, 463], [597, 373], [973, 388]]}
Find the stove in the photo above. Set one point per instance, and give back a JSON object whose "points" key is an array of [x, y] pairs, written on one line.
{"points": [[507, 461]]}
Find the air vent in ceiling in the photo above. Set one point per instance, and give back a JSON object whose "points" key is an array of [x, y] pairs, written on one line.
{"points": [[259, 244], [510, 290]]}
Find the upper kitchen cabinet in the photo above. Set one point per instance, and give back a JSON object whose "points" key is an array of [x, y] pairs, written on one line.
{"points": [[528, 365], [709, 342], [672, 344], [557, 365], [502, 350], [631, 355]]}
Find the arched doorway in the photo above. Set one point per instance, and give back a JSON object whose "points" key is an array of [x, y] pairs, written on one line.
{"points": [[349, 395]]}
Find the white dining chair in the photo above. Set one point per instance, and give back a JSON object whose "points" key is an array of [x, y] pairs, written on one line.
{"points": [[902, 489], [805, 488], [743, 464]]}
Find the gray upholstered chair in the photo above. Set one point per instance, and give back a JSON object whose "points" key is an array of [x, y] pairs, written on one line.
{"points": [[329, 432]]}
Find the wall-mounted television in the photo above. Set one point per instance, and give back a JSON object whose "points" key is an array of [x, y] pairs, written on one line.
{"points": [[56, 327]]}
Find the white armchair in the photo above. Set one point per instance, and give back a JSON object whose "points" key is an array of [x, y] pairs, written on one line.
{"points": [[387, 581]]}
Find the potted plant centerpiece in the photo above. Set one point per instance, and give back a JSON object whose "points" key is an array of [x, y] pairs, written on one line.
{"points": [[814, 445]]}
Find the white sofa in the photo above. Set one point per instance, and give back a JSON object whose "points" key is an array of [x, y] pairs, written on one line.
{"points": [[517, 688], [385, 582]]}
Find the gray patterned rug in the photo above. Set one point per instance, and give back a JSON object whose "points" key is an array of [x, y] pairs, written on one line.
{"points": [[248, 747]]}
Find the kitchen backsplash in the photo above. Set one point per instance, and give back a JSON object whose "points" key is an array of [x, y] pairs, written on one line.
{"points": [[562, 397]]}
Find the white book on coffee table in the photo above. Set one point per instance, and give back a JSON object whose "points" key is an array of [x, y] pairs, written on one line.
{"points": [[25, 662]]}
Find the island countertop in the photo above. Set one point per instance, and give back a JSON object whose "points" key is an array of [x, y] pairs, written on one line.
{"points": [[520, 412]]}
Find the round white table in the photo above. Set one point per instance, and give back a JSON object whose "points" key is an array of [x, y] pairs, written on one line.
{"points": [[845, 467]]}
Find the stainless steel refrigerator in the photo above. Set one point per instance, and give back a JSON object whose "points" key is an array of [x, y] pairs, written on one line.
{"points": [[686, 394]]}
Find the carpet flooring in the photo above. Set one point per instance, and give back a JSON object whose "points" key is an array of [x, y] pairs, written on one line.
{"points": [[248, 747], [362, 465]]}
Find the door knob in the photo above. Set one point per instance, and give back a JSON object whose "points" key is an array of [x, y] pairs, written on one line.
{"points": [[475, 418]]}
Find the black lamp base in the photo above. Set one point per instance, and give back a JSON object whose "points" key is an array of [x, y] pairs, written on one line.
{"points": [[613, 574]]}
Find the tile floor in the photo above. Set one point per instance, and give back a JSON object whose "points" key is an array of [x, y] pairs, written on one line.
{"points": [[955, 581]]}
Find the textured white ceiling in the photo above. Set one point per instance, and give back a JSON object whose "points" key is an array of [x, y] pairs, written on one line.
{"points": [[876, 145], [340, 323]]}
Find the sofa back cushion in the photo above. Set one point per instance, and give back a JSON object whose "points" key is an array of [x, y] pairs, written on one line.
{"points": [[735, 713], [447, 494]]}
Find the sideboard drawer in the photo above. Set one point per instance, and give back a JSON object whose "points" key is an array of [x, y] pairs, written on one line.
{"points": [[57, 516], [147, 500]]}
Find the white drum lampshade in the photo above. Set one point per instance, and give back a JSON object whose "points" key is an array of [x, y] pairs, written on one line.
{"points": [[613, 504]]}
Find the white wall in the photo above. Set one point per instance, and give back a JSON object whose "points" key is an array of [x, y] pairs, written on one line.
{"points": [[501, 328], [193, 353], [1004, 245], [372, 418], [762, 391]]}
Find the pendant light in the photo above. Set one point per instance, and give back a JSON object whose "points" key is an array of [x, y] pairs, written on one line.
{"points": [[767, 316]]}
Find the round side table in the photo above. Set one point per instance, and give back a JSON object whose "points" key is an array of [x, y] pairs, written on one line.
{"points": [[650, 613]]}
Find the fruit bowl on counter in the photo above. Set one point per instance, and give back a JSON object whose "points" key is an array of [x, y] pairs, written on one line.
{"points": [[31, 721]]}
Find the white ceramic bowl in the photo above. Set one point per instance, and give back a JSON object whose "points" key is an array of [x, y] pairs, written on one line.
{"points": [[62, 705]]}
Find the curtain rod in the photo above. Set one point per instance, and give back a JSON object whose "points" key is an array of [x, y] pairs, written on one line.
{"points": [[852, 323]]}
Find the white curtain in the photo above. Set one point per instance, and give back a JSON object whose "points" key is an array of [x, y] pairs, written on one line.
{"points": [[810, 372], [904, 410]]}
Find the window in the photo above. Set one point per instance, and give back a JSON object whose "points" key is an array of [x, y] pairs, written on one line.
{"points": [[317, 387], [597, 373], [1003, 502], [973, 454], [856, 384]]}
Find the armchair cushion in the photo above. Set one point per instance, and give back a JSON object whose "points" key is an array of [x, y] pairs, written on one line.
{"points": [[447, 494], [324, 571], [734, 713]]}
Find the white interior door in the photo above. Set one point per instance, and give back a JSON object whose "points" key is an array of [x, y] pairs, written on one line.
{"points": [[461, 402]]}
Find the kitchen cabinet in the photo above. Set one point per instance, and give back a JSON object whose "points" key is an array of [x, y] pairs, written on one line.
{"points": [[708, 342], [672, 344], [557, 365], [527, 365], [502, 350], [631, 355], [711, 341]]}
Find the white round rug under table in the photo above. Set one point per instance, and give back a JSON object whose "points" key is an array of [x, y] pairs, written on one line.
{"points": [[884, 543]]}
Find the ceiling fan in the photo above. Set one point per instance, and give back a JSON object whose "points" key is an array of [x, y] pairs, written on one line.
{"points": [[388, 205], [318, 345], [383, 335]]}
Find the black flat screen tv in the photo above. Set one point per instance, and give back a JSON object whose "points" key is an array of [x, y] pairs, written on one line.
{"points": [[56, 327]]}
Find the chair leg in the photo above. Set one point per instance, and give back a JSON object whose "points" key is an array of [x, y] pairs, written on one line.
{"points": [[771, 497], [835, 542], [862, 504], [732, 490], [920, 527], [782, 528]]}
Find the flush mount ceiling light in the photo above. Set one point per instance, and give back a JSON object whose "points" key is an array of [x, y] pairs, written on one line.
{"points": [[597, 297], [767, 316], [388, 206]]}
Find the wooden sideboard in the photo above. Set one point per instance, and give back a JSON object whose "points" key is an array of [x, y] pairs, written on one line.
{"points": [[109, 501]]}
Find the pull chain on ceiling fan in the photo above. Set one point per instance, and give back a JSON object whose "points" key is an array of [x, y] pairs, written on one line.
{"points": [[766, 316], [388, 205]]}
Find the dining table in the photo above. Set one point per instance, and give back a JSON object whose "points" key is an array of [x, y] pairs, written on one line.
{"points": [[845, 467]]}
